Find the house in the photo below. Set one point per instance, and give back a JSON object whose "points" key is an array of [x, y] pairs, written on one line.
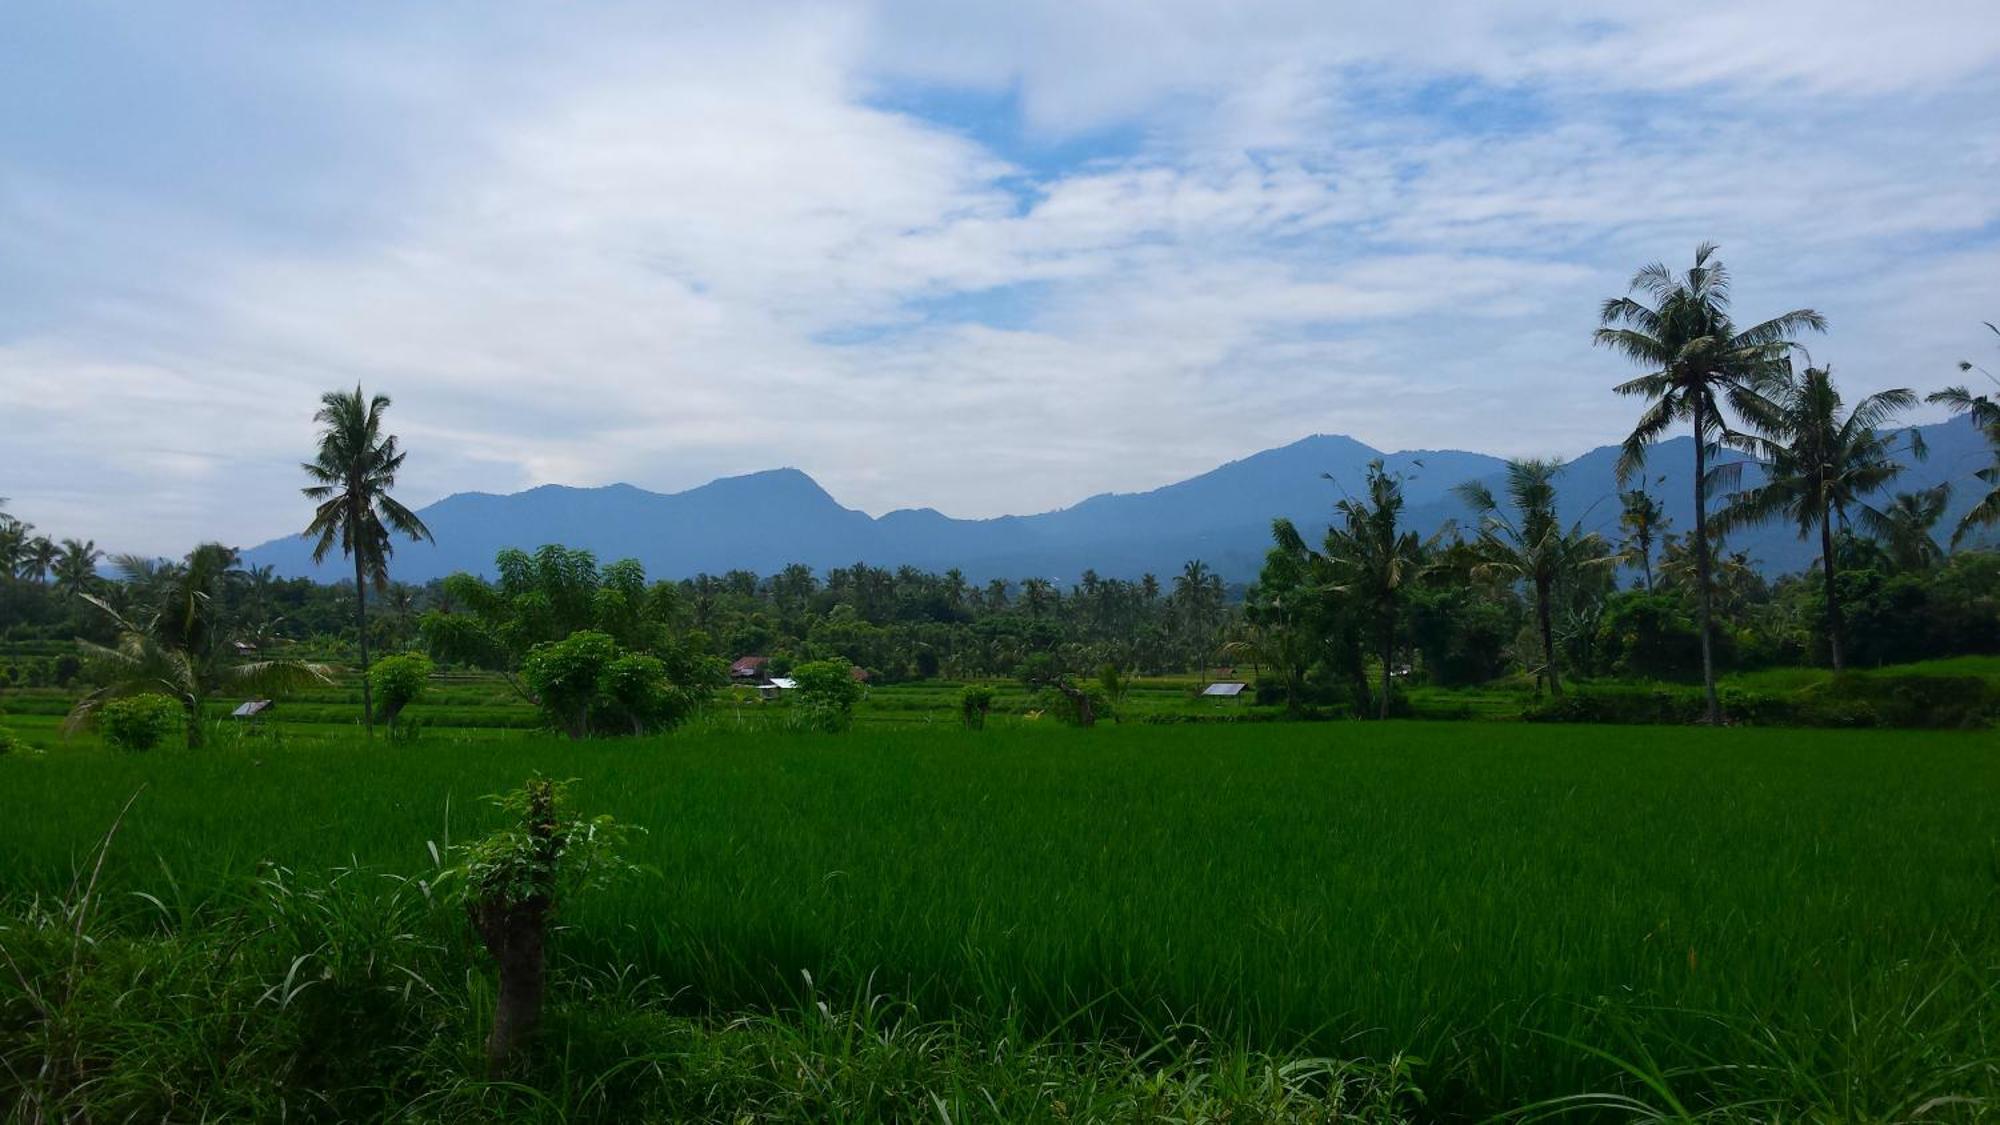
{"points": [[776, 685], [1222, 690], [748, 668]]}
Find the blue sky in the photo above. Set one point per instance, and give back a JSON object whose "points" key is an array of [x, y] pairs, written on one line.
{"points": [[985, 258]]}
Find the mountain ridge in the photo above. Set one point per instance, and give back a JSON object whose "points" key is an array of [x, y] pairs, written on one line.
{"points": [[765, 520]]}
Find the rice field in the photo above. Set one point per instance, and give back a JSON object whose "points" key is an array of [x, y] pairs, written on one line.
{"points": [[1806, 921]]}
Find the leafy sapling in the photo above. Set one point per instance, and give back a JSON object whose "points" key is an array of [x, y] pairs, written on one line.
{"points": [[511, 883]]}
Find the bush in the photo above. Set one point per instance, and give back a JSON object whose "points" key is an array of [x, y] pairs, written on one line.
{"points": [[139, 722], [397, 682], [973, 704], [10, 743], [827, 693], [586, 684]]}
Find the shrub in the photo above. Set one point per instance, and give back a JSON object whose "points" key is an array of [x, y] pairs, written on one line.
{"points": [[397, 682], [586, 684], [139, 722], [973, 704], [827, 694], [10, 742]]}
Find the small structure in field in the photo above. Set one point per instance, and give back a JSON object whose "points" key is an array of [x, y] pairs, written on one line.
{"points": [[748, 668], [253, 709], [771, 688], [1227, 689]]}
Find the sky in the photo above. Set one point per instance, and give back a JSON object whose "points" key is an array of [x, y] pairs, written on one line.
{"points": [[982, 258]]}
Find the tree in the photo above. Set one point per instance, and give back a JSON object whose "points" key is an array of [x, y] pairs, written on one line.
{"points": [[1643, 519], [1985, 412], [76, 568], [1818, 465], [1370, 558], [828, 692], [1904, 527], [1531, 545], [353, 472], [179, 645], [1698, 360], [39, 558]]}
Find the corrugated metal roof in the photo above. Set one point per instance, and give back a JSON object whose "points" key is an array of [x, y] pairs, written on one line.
{"points": [[1226, 691]]}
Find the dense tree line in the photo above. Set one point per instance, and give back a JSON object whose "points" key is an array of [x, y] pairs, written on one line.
{"points": [[1338, 618]]}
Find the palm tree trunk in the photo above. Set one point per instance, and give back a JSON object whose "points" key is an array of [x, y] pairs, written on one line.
{"points": [[1827, 568], [1548, 636], [1388, 655], [361, 635], [1704, 595], [1646, 560]]}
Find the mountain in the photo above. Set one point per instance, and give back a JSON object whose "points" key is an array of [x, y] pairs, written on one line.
{"points": [[765, 521]]}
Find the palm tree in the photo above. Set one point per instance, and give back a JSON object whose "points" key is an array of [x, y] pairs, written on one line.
{"points": [[1904, 527], [1985, 412], [1818, 465], [1642, 519], [76, 567], [38, 559], [1532, 546], [1698, 360], [353, 473], [1370, 558], [179, 645], [13, 545]]}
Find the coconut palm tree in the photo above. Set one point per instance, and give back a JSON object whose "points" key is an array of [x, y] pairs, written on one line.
{"points": [[1371, 558], [14, 538], [1904, 526], [76, 567], [38, 558], [1643, 519], [1531, 545], [352, 475], [178, 644], [1819, 464], [1698, 361], [1985, 412]]}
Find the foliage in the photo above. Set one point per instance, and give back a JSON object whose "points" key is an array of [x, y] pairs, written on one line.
{"points": [[1648, 637], [1984, 410], [183, 642], [10, 742], [974, 701], [585, 684], [138, 722], [399, 681], [826, 695]]}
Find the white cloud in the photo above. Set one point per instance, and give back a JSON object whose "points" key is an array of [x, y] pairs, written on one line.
{"points": [[660, 247]]}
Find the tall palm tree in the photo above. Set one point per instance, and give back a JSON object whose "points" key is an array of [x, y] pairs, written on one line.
{"points": [[1642, 519], [1904, 527], [1819, 465], [14, 539], [178, 644], [1698, 361], [76, 567], [1531, 545], [1985, 412], [352, 474]]}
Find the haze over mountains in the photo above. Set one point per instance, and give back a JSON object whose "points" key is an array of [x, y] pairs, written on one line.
{"points": [[765, 521]]}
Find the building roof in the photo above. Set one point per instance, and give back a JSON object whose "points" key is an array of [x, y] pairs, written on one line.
{"points": [[748, 665], [782, 683], [252, 708], [1223, 690]]}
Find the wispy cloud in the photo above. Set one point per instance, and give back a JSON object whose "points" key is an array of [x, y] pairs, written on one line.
{"points": [[656, 247]]}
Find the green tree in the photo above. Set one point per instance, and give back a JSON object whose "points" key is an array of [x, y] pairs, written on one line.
{"points": [[399, 681], [1985, 412], [1532, 546], [1643, 519], [39, 558], [1698, 361], [827, 693], [1818, 463], [178, 644], [352, 474], [1904, 527], [76, 568]]}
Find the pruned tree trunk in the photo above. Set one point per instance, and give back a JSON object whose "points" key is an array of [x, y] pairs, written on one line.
{"points": [[1085, 714], [515, 933], [1704, 592], [1388, 659]]}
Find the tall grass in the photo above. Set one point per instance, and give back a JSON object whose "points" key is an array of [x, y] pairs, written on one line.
{"points": [[1629, 920]]}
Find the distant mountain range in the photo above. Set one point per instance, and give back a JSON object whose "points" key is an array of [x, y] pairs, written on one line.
{"points": [[765, 521]]}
